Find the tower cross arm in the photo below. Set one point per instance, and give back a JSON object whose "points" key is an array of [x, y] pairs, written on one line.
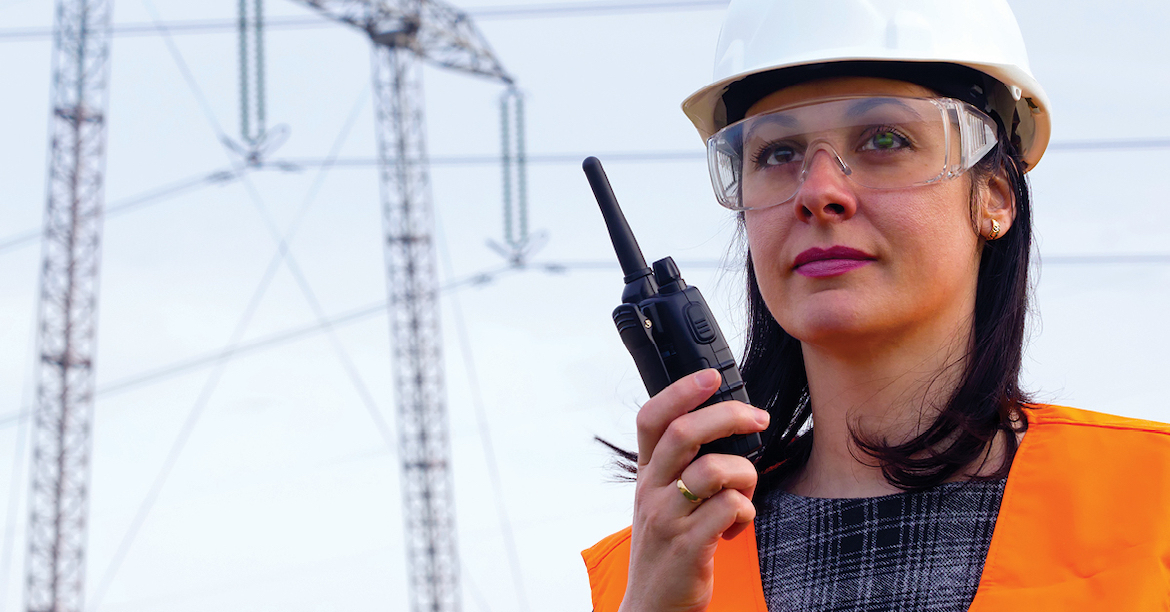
{"points": [[435, 31]]}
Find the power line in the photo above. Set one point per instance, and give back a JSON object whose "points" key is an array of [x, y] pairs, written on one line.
{"points": [[484, 430], [152, 196], [293, 164], [1105, 259], [1119, 145], [283, 255], [292, 334], [492, 159], [373, 309], [209, 385], [16, 481], [273, 340], [501, 12]]}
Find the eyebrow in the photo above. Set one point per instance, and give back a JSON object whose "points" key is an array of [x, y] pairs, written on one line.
{"points": [[863, 106], [855, 111], [769, 119]]}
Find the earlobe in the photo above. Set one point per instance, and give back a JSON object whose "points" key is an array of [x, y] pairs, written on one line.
{"points": [[994, 230], [998, 207]]}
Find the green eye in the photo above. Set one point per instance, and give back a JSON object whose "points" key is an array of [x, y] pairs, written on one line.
{"points": [[885, 139]]}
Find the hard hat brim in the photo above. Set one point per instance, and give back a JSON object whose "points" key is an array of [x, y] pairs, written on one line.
{"points": [[706, 110]]}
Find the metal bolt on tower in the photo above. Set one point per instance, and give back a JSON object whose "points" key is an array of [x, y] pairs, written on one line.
{"points": [[404, 33], [68, 305]]}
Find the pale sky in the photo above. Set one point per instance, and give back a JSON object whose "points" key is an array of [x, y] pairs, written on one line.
{"points": [[284, 496]]}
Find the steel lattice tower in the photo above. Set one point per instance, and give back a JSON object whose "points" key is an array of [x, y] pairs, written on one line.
{"points": [[68, 305], [404, 34]]}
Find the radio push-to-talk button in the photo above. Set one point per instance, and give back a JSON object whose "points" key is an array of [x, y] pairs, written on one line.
{"points": [[700, 326]]}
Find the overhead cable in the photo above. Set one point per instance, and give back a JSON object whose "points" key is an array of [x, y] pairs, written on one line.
{"points": [[146, 198], [16, 481], [484, 427], [233, 351], [282, 256], [291, 164], [697, 155], [209, 385], [483, 13], [485, 277]]}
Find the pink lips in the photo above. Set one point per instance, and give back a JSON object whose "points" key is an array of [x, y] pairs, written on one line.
{"points": [[821, 263]]}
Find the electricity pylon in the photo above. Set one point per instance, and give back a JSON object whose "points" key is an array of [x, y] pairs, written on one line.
{"points": [[405, 33], [58, 502]]}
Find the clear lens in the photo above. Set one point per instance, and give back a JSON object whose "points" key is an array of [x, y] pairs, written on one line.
{"points": [[878, 142]]}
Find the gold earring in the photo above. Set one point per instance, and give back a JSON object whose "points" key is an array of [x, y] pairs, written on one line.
{"points": [[994, 230]]}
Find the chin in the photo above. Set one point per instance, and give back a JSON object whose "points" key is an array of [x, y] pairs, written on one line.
{"points": [[825, 331], [826, 319]]}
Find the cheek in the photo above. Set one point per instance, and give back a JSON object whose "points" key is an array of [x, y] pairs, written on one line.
{"points": [[937, 242], [766, 234]]}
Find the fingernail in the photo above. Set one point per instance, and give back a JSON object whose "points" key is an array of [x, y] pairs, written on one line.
{"points": [[708, 378], [763, 417]]}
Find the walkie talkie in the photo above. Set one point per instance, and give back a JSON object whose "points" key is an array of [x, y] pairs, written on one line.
{"points": [[666, 324]]}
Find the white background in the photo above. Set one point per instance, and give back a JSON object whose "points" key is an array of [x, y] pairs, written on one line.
{"points": [[285, 494]]}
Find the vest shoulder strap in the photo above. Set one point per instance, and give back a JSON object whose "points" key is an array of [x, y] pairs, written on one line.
{"points": [[1085, 517]]}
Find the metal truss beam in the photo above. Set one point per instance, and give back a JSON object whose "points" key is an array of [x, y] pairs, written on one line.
{"points": [[433, 31], [68, 304], [404, 34], [429, 512]]}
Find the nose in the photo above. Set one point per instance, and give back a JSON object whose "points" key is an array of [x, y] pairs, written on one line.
{"points": [[826, 194]]}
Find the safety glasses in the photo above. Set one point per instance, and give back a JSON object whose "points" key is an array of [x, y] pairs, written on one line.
{"points": [[878, 142]]}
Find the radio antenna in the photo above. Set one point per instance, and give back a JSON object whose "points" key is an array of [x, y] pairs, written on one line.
{"points": [[628, 253]]}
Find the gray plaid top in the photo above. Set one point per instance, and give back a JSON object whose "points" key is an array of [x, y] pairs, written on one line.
{"points": [[921, 551]]}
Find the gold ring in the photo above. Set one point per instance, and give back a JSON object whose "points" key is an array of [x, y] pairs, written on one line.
{"points": [[691, 497], [994, 230]]}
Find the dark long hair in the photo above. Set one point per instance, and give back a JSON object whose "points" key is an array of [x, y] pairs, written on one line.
{"points": [[984, 403], [988, 395]]}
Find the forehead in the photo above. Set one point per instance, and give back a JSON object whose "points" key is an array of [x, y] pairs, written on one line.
{"points": [[842, 86]]}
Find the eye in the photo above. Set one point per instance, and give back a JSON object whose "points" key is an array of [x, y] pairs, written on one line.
{"points": [[884, 138], [775, 154]]}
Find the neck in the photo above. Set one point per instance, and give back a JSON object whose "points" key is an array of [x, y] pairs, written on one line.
{"points": [[883, 391]]}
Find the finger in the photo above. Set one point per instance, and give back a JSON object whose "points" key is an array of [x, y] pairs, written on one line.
{"points": [[725, 515], [682, 396], [710, 474], [679, 444], [735, 529]]}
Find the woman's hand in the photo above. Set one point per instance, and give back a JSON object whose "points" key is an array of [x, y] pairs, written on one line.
{"points": [[673, 543]]}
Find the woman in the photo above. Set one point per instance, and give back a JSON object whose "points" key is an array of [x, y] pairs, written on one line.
{"points": [[877, 151]]}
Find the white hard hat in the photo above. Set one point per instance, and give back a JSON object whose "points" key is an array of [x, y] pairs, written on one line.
{"points": [[779, 38]]}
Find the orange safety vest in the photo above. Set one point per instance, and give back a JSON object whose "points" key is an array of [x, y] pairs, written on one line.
{"points": [[1084, 525]]}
